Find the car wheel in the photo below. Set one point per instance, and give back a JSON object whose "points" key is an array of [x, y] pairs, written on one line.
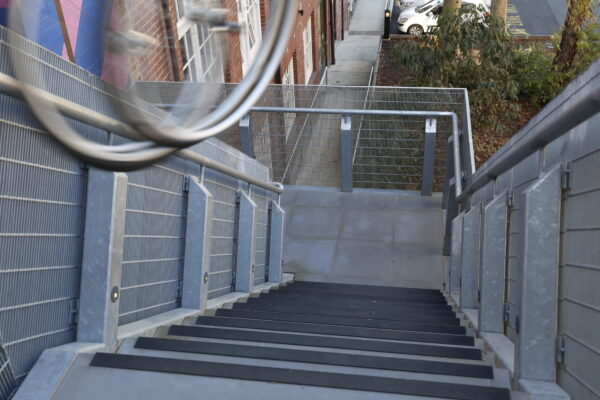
{"points": [[415, 30]]}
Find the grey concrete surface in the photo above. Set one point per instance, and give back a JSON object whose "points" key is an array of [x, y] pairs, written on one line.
{"points": [[391, 238], [85, 382]]}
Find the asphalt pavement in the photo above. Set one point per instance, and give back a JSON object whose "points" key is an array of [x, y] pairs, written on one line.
{"points": [[525, 17]]}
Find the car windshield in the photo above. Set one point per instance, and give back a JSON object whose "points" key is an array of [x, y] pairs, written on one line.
{"points": [[426, 6]]}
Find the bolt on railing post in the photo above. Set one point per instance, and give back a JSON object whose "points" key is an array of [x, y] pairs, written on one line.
{"points": [[346, 153], [428, 156], [246, 143]]}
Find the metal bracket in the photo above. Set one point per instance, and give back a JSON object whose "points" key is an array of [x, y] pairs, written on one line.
{"points": [[233, 275], [506, 312], [561, 349], [567, 177], [74, 318], [510, 199], [186, 184], [179, 289]]}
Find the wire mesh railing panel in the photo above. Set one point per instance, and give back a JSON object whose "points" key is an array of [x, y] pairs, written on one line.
{"points": [[154, 241], [7, 379], [261, 235], [224, 232], [42, 200]]}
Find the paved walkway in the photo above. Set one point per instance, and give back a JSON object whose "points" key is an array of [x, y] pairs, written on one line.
{"points": [[356, 55], [355, 58]]}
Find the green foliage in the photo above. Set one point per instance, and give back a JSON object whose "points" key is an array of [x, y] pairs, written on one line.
{"points": [[467, 50], [537, 77]]}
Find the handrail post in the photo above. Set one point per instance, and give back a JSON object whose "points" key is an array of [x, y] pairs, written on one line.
{"points": [[245, 267], [101, 266], [346, 153], [197, 245], [246, 143], [429, 156]]}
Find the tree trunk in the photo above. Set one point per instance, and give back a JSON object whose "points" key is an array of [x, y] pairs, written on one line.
{"points": [[450, 6], [577, 14], [499, 9]]}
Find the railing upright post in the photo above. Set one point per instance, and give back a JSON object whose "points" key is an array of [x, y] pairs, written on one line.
{"points": [[103, 242], [197, 246], [246, 143], [493, 265], [346, 153], [429, 156], [245, 266], [276, 243], [537, 321]]}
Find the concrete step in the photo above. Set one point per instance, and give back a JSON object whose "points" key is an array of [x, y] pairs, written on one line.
{"points": [[342, 321], [286, 375], [336, 330], [188, 351], [305, 339]]}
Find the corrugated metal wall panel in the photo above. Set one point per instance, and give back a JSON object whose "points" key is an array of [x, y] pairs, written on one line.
{"points": [[7, 379]]}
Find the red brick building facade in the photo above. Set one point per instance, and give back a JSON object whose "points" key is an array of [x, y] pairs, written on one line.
{"points": [[311, 46]]}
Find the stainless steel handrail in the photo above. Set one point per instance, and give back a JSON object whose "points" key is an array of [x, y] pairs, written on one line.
{"points": [[389, 113], [557, 125], [11, 87]]}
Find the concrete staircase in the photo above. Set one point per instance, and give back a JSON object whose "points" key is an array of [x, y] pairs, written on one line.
{"points": [[304, 340]]}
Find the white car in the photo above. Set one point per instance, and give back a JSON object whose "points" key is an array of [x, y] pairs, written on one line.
{"points": [[416, 21], [406, 4]]}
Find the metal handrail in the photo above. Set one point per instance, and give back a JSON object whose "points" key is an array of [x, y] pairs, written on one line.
{"points": [[388, 113], [11, 87], [557, 125]]}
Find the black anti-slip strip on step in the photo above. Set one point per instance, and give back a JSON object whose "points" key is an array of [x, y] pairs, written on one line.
{"points": [[343, 294], [317, 357], [326, 341], [320, 329], [299, 377], [414, 316], [434, 309], [343, 321], [364, 289], [329, 295], [438, 304]]}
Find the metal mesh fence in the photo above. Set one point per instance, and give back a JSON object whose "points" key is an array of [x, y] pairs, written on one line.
{"points": [[303, 149], [7, 379], [42, 209]]}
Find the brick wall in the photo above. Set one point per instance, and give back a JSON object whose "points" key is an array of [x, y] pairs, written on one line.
{"points": [[158, 20]]}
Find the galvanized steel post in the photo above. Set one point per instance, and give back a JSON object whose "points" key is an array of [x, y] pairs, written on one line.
{"points": [[428, 156], [246, 143], [535, 348], [102, 257], [276, 243], [493, 265], [470, 258], [456, 260], [346, 153], [197, 246], [245, 266]]}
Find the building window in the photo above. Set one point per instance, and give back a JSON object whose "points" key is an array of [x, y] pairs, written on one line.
{"points": [[251, 35], [289, 98], [202, 61], [308, 51]]}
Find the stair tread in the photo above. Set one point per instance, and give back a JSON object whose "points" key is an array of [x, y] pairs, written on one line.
{"points": [[408, 316], [326, 329], [327, 341], [317, 357], [300, 377], [344, 321]]}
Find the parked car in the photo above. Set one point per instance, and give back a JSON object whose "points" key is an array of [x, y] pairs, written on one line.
{"points": [[419, 20], [406, 4]]}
